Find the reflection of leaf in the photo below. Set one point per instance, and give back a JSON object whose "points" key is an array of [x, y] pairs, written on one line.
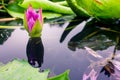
{"points": [[21, 70], [100, 32], [5, 34], [71, 26], [88, 31], [63, 76], [59, 20], [93, 53], [98, 42]]}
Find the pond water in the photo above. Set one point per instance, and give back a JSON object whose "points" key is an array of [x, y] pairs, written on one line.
{"points": [[62, 55]]}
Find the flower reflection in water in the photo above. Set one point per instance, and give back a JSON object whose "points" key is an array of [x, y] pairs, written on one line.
{"points": [[110, 66], [92, 75], [35, 51], [108, 69]]}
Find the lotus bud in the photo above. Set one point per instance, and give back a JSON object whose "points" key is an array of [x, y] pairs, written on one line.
{"points": [[33, 22]]}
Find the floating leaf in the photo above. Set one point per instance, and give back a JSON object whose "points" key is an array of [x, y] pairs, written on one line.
{"points": [[21, 70], [63, 76], [93, 53]]}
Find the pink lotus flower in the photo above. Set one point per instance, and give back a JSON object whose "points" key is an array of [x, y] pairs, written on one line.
{"points": [[33, 21]]}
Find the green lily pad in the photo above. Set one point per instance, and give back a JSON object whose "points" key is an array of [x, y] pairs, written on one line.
{"points": [[21, 70], [63, 76]]}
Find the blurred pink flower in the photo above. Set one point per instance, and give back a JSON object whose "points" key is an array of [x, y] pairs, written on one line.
{"points": [[92, 75]]}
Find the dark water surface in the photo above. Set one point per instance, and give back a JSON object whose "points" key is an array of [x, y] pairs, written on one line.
{"points": [[58, 56]]}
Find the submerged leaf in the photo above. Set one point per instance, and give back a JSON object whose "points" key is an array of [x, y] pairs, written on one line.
{"points": [[21, 70]]}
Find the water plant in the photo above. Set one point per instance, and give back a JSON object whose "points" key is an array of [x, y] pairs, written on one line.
{"points": [[33, 22], [21, 70], [96, 8], [50, 9]]}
